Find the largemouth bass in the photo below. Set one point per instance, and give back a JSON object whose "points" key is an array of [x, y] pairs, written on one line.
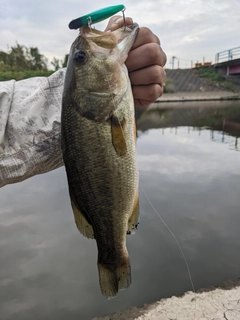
{"points": [[98, 145]]}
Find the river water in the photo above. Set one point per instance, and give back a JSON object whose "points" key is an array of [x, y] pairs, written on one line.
{"points": [[189, 164]]}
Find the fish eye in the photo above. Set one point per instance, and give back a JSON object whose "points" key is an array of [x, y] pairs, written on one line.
{"points": [[80, 57]]}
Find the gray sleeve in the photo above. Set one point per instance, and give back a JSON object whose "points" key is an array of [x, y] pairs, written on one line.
{"points": [[30, 114]]}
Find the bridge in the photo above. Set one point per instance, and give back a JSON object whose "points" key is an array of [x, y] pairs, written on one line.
{"points": [[228, 62]]}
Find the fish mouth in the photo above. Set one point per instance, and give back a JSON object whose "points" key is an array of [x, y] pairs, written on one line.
{"points": [[109, 39]]}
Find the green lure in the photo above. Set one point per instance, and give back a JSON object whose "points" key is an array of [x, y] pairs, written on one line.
{"points": [[96, 16]]}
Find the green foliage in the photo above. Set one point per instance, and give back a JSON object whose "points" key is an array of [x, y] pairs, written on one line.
{"points": [[21, 62], [167, 86], [20, 58], [209, 73], [20, 75], [56, 63], [212, 75], [228, 85], [65, 61]]}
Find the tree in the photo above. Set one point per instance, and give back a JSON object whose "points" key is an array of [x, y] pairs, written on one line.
{"points": [[65, 60], [37, 60], [56, 63], [20, 58]]}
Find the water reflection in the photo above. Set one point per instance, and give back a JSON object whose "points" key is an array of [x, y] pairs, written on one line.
{"points": [[217, 116], [191, 174]]}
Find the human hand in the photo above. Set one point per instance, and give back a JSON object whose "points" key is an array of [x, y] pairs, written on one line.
{"points": [[145, 63]]}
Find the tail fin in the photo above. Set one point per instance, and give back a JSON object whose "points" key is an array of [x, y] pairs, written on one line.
{"points": [[113, 279]]}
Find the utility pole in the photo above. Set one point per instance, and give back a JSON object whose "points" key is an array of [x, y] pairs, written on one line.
{"points": [[172, 62]]}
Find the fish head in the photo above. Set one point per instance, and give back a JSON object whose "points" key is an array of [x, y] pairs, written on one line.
{"points": [[96, 77]]}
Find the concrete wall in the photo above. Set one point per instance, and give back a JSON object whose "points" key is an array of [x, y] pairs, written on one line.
{"points": [[222, 71]]}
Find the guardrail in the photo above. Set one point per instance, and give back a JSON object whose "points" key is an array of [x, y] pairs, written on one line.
{"points": [[227, 55]]}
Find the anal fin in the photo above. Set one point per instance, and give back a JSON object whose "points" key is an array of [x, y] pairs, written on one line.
{"points": [[81, 222], [133, 219]]}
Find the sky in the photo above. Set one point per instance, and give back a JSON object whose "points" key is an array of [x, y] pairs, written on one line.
{"points": [[190, 30]]}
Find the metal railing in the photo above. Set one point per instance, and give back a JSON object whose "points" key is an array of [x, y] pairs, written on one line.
{"points": [[227, 55]]}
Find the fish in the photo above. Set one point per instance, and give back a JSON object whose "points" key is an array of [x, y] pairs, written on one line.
{"points": [[98, 140]]}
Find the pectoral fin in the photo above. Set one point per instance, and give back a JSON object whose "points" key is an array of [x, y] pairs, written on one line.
{"points": [[133, 220], [118, 136], [82, 224]]}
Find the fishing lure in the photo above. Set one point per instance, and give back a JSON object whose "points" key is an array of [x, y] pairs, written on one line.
{"points": [[96, 16]]}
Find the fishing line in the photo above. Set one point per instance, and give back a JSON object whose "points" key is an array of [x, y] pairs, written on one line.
{"points": [[178, 244], [165, 224]]}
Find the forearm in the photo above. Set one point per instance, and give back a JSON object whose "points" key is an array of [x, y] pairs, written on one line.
{"points": [[30, 129]]}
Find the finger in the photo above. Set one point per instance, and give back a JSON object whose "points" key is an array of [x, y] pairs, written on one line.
{"points": [[146, 55], [148, 75], [145, 35], [144, 95], [141, 103], [118, 22]]}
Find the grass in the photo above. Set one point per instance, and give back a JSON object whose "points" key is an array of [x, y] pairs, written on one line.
{"points": [[20, 75], [212, 75], [228, 85], [209, 73], [167, 86]]}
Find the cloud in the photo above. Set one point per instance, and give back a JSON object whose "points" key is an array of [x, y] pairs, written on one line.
{"points": [[189, 30], [194, 154]]}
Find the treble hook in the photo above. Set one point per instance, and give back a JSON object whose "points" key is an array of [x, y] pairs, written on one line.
{"points": [[89, 19], [124, 19]]}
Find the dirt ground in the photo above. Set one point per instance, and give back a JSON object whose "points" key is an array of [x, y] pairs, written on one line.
{"points": [[221, 303]]}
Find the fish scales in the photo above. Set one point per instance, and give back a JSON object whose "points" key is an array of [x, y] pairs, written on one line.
{"points": [[98, 143]]}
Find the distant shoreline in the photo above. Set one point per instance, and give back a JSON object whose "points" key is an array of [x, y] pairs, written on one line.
{"points": [[198, 96]]}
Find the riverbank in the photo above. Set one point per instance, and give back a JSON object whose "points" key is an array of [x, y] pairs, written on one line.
{"points": [[203, 80], [220, 303], [198, 96]]}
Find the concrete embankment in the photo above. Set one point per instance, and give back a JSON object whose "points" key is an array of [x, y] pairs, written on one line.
{"points": [[187, 85], [222, 303], [198, 96]]}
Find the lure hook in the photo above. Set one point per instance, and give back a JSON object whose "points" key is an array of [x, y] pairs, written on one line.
{"points": [[89, 20], [124, 18]]}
